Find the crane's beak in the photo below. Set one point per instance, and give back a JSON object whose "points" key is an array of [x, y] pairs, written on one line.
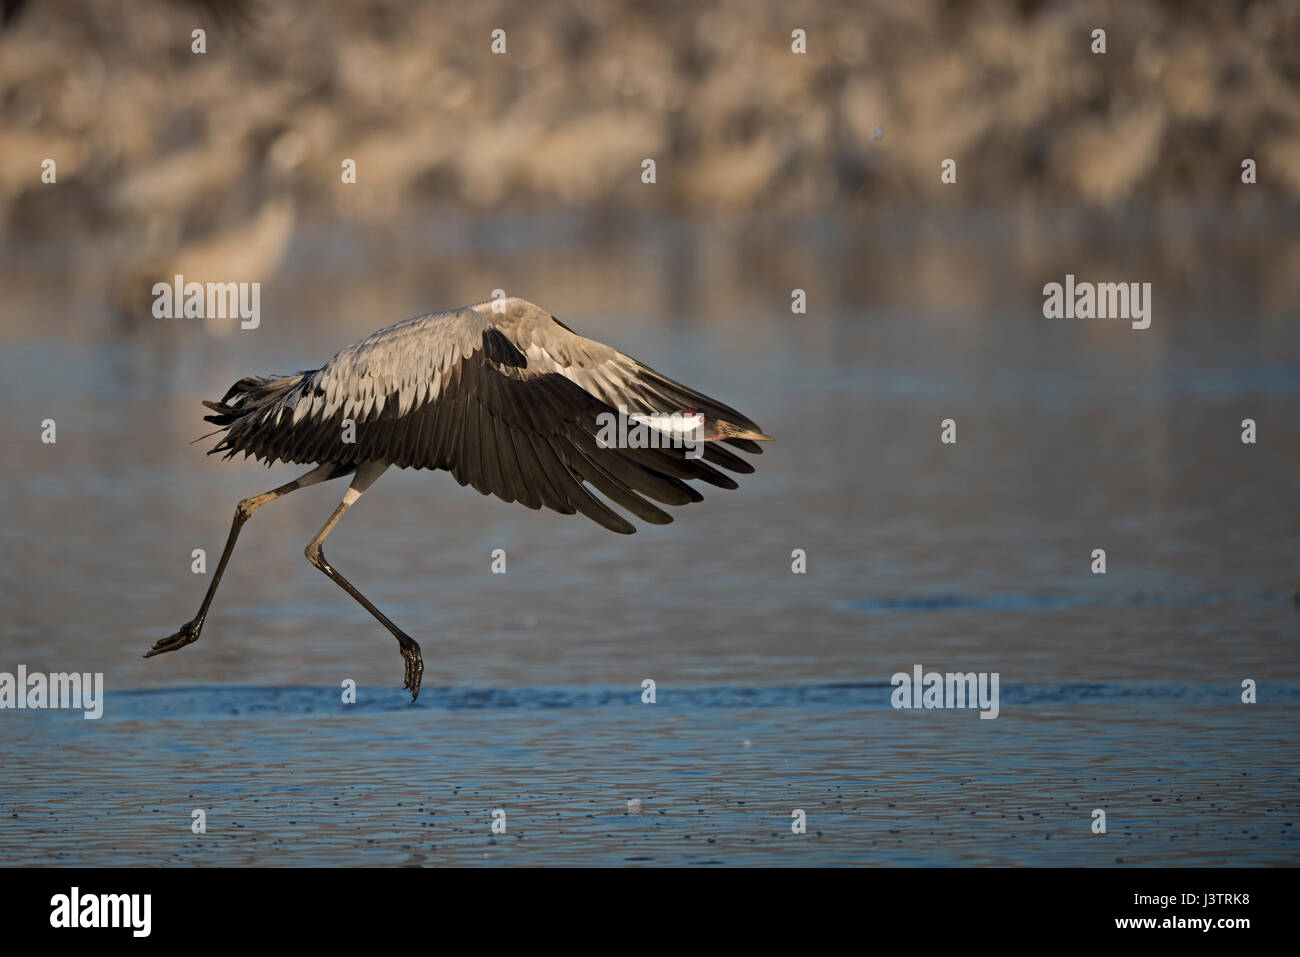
{"points": [[716, 429]]}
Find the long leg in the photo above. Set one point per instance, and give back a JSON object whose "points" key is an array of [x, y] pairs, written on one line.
{"points": [[189, 632], [315, 551]]}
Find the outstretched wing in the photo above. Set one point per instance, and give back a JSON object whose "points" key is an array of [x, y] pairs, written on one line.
{"points": [[456, 391], [618, 379]]}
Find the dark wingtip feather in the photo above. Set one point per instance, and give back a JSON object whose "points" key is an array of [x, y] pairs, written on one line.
{"points": [[728, 460]]}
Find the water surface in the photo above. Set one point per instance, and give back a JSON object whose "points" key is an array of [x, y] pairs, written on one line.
{"points": [[1119, 691]]}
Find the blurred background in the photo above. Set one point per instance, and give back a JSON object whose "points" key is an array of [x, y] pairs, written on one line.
{"points": [[775, 171]]}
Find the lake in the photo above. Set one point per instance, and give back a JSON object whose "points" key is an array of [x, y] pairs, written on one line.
{"points": [[1119, 691]]}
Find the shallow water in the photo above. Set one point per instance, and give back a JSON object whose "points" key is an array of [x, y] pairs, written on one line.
{"points": [[291, 776], [1118, 691]]}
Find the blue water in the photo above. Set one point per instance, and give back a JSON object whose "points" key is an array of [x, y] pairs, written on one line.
{"points": [[1031, 602], [1119, 691], [293, 776]]}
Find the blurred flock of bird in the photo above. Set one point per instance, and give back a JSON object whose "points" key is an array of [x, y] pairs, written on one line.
{"points": [[172, 161]]}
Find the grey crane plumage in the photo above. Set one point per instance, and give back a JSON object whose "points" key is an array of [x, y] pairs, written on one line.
{"points": [[500, 394]]}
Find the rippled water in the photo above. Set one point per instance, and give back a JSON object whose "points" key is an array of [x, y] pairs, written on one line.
{"points": [[1118, 691], [291, 776]]}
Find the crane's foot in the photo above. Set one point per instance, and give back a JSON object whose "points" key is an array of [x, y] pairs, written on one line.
{"points": [[188, 634], [414, 667]]}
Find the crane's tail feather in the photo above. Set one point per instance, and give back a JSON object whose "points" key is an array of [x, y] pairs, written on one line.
{"points": [[247, 397]]}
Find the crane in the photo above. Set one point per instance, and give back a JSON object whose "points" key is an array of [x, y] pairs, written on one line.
{"points": [[503, 396]]}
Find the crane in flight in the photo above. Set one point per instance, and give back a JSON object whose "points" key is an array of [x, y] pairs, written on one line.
{"points": [[503, 396]]}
